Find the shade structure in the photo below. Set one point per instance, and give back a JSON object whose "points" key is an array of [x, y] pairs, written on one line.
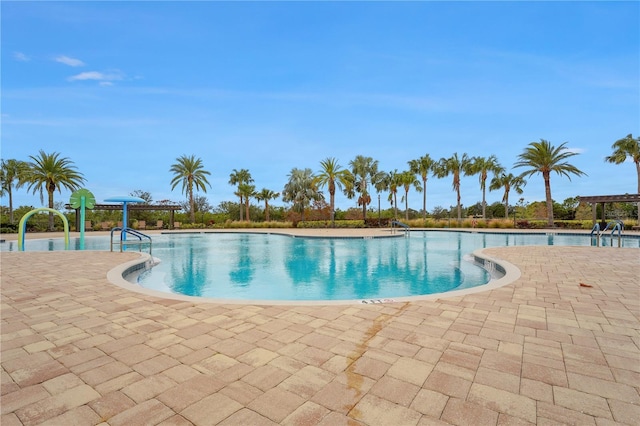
{"points": [[124, 199]]}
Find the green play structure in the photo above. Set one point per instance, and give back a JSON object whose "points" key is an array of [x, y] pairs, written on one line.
{"points": [[22, 226]]}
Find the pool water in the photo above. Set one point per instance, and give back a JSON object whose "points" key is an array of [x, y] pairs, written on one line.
{"points": [[249, 266], [277, 267]]}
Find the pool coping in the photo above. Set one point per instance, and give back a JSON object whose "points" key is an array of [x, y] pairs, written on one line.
{"points": [[509, 273]]}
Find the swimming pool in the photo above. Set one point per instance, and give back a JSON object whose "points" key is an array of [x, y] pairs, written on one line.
{"points": [[247, 266]]}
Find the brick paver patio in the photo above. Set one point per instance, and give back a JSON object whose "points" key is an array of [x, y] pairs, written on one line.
{"points": [[560, 345]]}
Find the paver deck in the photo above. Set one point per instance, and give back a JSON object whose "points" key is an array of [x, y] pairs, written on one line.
{"points": [[560, 345]]}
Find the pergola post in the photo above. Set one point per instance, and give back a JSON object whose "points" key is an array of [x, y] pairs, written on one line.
{"points": [[604, 199]]}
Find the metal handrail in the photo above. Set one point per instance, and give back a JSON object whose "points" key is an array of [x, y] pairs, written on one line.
{"points": [[141, 238], [406, 227], [619, 226]]}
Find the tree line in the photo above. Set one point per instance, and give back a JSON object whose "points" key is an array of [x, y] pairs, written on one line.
{"points": [[48, 172]]}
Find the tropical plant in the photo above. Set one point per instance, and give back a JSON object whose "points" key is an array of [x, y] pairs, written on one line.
{"points": [[332, 175], [542, 157], [13, 173], [623, 148], [508, 182], [423, 166], [482, 166], [266, 195], [190, 172], [239, 177], [49, 172], [246, 191], [408, 179], [301, 189], [390, 182], [364, 170], [455, 166]]}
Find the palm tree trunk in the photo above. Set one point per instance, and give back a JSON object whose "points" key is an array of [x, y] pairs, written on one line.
{"points": [[395, 206], [547, 192], [50, 196], [266, 210], [406, 205], [459, 207], [506, 204], [192, 209], [247, 208], [240, 205], [484, 202], [10, 205], [637, 171], [332, 197], [424, 199]]}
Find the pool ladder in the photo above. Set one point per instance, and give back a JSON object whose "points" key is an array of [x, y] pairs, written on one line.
{"points": [[142, 239], [395, 224], [616, 225]]}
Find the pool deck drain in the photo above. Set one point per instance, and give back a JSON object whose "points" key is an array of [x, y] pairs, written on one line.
{"points": [[559, 345]]}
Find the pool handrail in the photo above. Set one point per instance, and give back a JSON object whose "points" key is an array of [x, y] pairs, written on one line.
{"points": [[406, 227], [619, 226], [123, 241]]}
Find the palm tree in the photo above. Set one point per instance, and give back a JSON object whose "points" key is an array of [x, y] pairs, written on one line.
{"points": [[332, 175], [239, 177], [50, 172], [364, 170], [12, 170], [482, 166], [266, 195], [542, 157], [423, 166], [455, 166], [301, 189], [246, 191], [389, 182], [508, 182], [623, 148], [408, 179], [189, 171]]}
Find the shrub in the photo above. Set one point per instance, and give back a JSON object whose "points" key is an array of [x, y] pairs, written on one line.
{"points": [[501, 223], [8, 228], [327, 224], [249, 225], [371, 222]]}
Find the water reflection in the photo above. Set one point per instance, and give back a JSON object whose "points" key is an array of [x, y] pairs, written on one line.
{"points": [[244, 266], [189, 272]]}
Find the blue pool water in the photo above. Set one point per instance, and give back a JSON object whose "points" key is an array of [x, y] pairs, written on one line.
{"points": [[277, 267]]}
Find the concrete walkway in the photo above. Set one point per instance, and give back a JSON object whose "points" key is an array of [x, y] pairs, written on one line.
{"points": [[560, 345]]}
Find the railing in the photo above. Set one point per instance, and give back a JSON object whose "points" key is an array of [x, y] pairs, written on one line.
{"points": [[616, 225], [395, 223], [142, 239]]}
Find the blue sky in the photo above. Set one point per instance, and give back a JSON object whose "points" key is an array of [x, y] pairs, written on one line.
{"points": [[125, 88]]}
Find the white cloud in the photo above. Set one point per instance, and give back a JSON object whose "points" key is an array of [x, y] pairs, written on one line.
{"points": [[19, 56], [575, 150], [72, 62], [105, 79]]}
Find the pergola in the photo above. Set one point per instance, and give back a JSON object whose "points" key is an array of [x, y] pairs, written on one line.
{"points": [[132, 207], [604, 199]]}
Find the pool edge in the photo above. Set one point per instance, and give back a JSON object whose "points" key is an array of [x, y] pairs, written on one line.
{"points": [[117, 275]]}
